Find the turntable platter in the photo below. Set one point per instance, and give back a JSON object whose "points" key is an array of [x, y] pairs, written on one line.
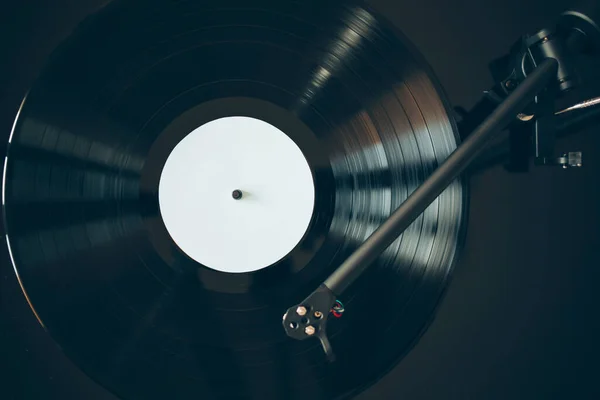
{"points": [[108, 277]]}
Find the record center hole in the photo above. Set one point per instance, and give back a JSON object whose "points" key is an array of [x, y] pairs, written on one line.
{"points": [[237, 194]]}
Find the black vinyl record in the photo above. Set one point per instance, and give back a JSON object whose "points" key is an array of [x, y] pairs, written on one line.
{"points": [[81, 209]]}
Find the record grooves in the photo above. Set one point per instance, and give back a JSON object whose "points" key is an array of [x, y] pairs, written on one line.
{"points": [[81, 210]]}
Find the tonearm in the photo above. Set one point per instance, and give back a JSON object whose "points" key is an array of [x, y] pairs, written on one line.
{"points": [[538, 70]]}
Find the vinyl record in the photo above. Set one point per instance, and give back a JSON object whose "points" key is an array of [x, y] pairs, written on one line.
{"points": [[90, 239]]}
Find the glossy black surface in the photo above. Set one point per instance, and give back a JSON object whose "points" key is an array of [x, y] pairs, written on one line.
{"points": [[80, 195]]}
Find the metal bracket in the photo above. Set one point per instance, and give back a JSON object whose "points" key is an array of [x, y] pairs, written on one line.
{"points": [[567, 160]]}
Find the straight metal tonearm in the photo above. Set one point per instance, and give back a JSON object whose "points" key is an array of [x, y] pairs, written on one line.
{"points": [[309, 318]]}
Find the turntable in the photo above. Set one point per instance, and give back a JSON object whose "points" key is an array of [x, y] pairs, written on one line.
{"points": [[244, 200]]}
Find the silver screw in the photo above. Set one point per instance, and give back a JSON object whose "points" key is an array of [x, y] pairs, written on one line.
{"points": [[301, 311], [309, 330]]}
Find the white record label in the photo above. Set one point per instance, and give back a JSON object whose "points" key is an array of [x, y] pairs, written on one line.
{"points": [[199, 206]]}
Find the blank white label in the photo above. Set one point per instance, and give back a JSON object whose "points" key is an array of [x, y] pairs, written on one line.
{"points": [[198, 208]]}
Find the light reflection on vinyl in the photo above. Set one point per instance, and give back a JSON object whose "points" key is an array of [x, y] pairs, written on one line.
{"points": [[96, 260]]}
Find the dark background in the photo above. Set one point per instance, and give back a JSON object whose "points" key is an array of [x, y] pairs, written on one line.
{"points": [[519, 320]]}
